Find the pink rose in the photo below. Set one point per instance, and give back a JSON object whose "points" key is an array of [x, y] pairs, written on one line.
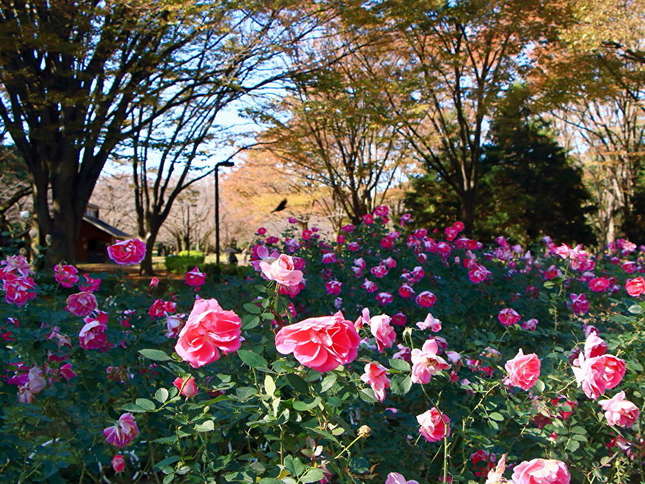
{"points": [[426, 299], [81, 304], [65, 275], [282, 270], [92, 335], [635, 287], [118, 463], [431, 323], [426, 363], [321, 343], [161, 308], [127, 251], [579, 303], [123, 432], [597, 374], [406, 291], [154, 282], [508, 317], [478, 273], [209, 330], [188, 388], [194, 278], [91, 284], [384, 298], [619, 411], [523, 370], [376, 376], [333, 287], [66, 371], [541, 471], [434, 425], [396, 478], [599, 284], [173, 326], [382, 331]]}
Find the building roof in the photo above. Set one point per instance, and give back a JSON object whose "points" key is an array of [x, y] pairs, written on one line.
{"points": [[105, 227]]}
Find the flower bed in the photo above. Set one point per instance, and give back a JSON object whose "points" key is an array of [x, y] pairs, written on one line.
{"points": [[387, 355]]}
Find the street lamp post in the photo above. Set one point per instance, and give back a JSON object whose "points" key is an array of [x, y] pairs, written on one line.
{"points": [[221, 163]]}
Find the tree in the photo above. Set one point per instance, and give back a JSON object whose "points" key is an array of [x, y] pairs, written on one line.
{"points": [[14, 192], [529, 186], [591, 83], [72, 74], [331, 136], [448, 62]]}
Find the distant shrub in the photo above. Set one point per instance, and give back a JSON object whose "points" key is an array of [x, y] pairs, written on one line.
{"points": [[182, 263]]}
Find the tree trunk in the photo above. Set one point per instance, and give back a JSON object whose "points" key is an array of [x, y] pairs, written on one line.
{"points": [[467, 210], [146, 268]]}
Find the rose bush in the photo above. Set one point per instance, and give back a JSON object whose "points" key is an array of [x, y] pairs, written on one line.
{"points": [[532, 354]]}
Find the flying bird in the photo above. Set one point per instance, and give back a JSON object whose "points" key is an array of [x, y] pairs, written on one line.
{"points": [[281, 206]]}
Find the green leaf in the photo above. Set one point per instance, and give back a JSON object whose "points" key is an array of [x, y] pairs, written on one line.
{"points": [[131, 407], [147, 405], [635, 309], [572, 445], [328, 382], [367, 395], [161, 395], [303, 407], [207, 426], [252, 308], [297, 383], [156, 355], [312, 475], [400, 365], [252, 359], [539, 386], [167, 461], [496, 416], [269, 385], [267, 316], [250, 322]]}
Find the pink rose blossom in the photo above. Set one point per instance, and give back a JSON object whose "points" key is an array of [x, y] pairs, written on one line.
{"points": [[321, 343], [195, 278], [382, 331], [579, 303], [406, 291], [426, 363], [282, 270], [333, 287], [426, 299], [434, 425], [123, 432], [188, 388], [65, 275], [619, 411], [161, 308], [91, 284], [209, 330], [635, 287], [508, 317], [376, 376], [66, 371], [431, 323], [523, 370], [396, 478], [92, 335], [154, 282], [599, 284], [597, 374], [81, 303], [384, 298], [118, 463], [541, 471], [130, 251], [530, 324]]}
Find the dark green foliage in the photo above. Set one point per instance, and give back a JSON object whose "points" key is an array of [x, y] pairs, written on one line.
{"points": [[528, 189]]}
